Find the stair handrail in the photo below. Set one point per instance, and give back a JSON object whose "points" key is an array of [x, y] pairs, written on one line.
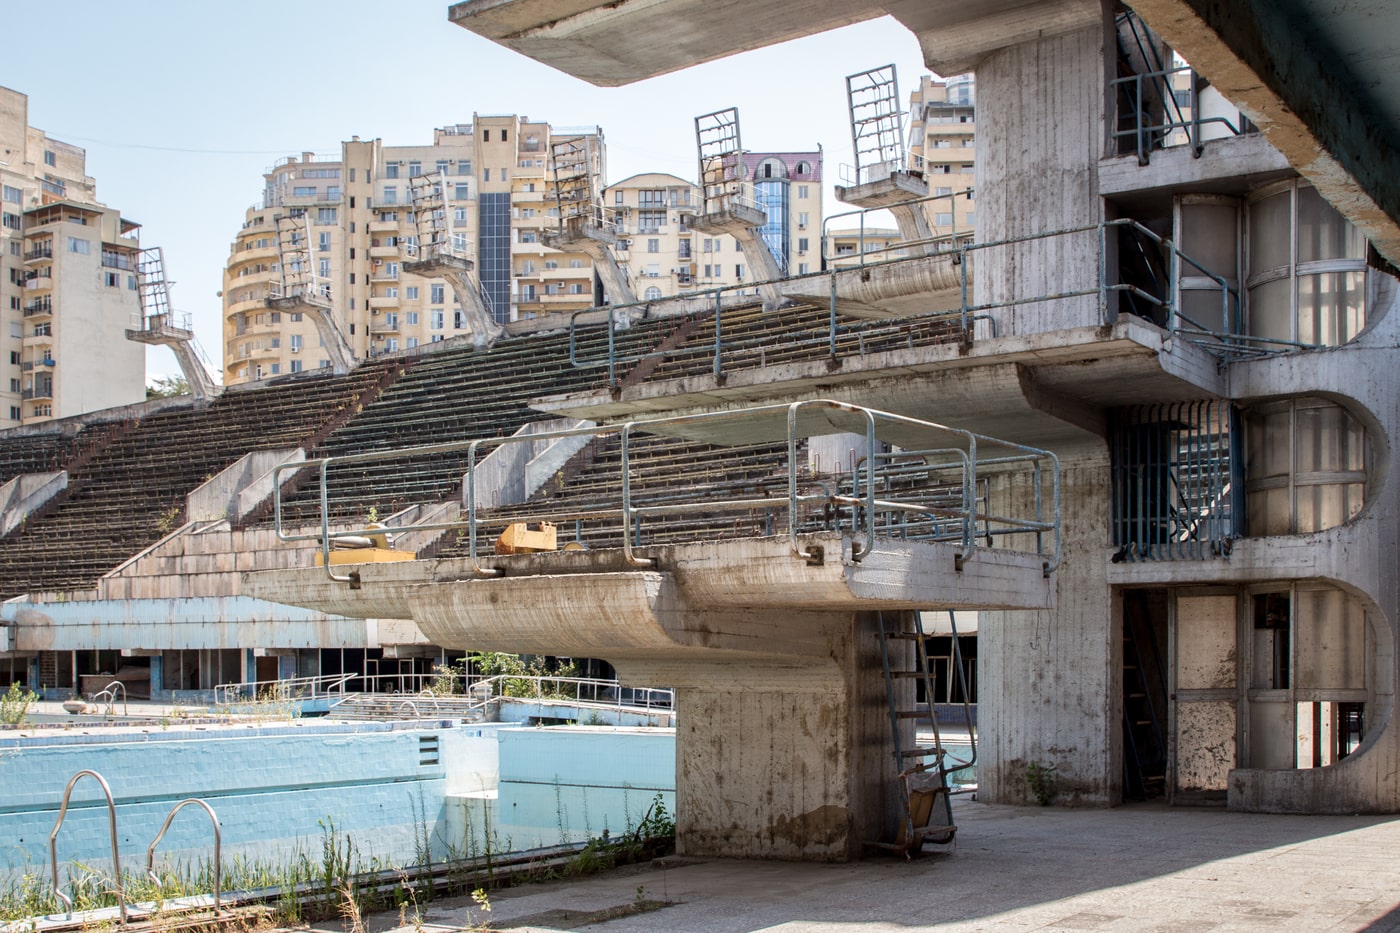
{"points": [[218, 845], [112, 825]]}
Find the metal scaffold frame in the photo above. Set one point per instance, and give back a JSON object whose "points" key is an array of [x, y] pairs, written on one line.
{"points": [[877, 123]]}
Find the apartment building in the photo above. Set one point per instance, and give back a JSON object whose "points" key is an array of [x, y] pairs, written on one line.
{"points": [[351, 216], [68, 291], [943, 146], [662, 256]]}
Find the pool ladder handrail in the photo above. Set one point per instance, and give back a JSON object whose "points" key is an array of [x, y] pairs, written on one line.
{"points": [[112, 825], [116, 855], [218, 845]]}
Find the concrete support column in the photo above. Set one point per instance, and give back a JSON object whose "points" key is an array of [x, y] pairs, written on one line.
{"points": [[789, 764], [157, 675], [1040, 112], [1051, 681]]}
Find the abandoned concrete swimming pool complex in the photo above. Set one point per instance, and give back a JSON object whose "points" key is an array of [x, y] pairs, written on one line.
{"points": [[1142, 426]]}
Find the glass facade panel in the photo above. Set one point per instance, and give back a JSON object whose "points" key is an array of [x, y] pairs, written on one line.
{"points": [[1323, 233], [1331, 307], [1331, 641], [1270, 232], [1271, 310]]}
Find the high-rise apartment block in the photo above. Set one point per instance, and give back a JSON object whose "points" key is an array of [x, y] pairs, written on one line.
{"points": [[942, 146], [353, 219], [68, 291], [663, 256]]}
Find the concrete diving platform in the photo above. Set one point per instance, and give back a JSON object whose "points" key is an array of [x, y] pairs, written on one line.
{"points": [[772, 642]]}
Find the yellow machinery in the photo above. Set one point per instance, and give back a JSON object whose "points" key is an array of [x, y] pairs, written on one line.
{"points": [[519, 539], [364, 549]]}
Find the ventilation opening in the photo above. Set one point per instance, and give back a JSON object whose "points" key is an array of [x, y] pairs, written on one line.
{"points": [[428, 750]]}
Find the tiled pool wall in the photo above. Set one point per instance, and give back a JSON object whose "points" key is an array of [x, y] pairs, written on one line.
{"points": [[278, 789]]}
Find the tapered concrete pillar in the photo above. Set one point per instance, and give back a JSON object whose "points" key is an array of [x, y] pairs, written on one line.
{"points": [[789, 763]]}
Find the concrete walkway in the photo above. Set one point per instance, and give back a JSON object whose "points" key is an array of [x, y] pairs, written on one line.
{"points": [[1143, 867]]}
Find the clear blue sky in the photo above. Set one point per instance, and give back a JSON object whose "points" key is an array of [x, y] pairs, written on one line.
{"points": [[182, 104]]}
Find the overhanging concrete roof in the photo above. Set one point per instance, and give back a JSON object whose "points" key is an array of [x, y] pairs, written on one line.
{"points": [[1319, 77]]}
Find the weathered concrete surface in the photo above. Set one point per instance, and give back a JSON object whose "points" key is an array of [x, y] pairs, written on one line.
{"points": [[1054, 704], [597, 40], [24, 494], [1013, 869], [240, 487], [920, 286], [785, 748]]}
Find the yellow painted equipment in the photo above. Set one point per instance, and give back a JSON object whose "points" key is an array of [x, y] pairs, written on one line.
{"points": [[519, 539]]}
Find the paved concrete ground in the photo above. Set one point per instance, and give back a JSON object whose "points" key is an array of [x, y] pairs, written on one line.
{"points": [[1135, 868]]}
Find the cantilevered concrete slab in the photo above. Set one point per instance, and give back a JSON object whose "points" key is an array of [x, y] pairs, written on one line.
{"points": [[784, 747]]}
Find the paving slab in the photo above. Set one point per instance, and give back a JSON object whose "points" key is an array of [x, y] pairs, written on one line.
{"points": [[1139, 868]]}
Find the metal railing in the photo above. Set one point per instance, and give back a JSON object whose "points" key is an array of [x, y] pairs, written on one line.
{"points": [[1179, 123], [951, 454], [218, 846], [946, 241], [112, 828], [108, 695], [295, 688]]}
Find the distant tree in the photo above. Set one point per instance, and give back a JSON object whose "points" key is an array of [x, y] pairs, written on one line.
{"points": [[167, 387]]}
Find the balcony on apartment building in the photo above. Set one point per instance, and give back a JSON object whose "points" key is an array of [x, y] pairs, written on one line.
{"points": [[42, 251], [384, 249], [44, 362], [39, 307]]}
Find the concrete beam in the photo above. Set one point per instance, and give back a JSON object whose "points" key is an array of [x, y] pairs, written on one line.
{"points": [[956, 36], [1303, 95], [598, 40]]}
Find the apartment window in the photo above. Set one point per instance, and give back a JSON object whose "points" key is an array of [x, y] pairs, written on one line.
{"points": [[650, 220], [12, 194], [459, 216], [575, 263], [324, 364], [653, 246], [435, 320], [435, 294], [294, 342], [459, 320], [802, 244], [14, 357], [294, 316], [576, 288], [486, 174], [411, 293], [802, 219], [295, 366], [503, 135], [461, 192], [391, 292], [14, 413], [276, 369], [391, 170], [391, 195], [131, 283], [464, 167], [803, 268], [11, 220], [486, 138], [617, 196], [528, 236], [504, 177], [14, 385], [323, 242], [441, 167], [304, 191], [739, 271], [653, 270], [411, 343], [325, 215], [943, 219], [551, 264], [79, 245], [111, 280], [652, 294], [415, 169], [15, 249], [803, 191], [50, 158], [323, 268]]}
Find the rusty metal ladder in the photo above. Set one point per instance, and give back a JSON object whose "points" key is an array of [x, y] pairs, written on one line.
{"points": [[923, 790]]}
